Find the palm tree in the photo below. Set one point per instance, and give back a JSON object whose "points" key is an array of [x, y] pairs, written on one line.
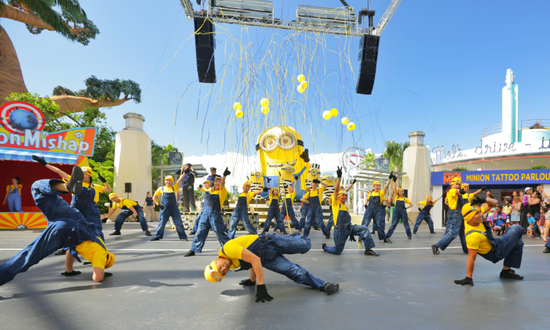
{"points": [[367, 161], [394, 151]]}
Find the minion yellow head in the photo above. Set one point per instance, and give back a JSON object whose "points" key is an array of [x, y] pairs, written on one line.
{"points": [[313, 173], [330, 181], [256, 181], [278, 147]]}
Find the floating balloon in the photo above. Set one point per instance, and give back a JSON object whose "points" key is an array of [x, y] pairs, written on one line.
{"points": [[301, 78], [301, 88], [334, 112], [351, 126], [239, 114], [265, 110], [237, 106], [304, 84], [264, 102], [326, 115], [345, 121]]}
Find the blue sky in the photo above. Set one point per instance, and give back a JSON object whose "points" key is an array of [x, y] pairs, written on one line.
{"points": [[441, 68]]}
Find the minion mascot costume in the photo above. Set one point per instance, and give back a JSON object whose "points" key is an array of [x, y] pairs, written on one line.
{"points": [[67, 227], [254, 252], [169, 208]]}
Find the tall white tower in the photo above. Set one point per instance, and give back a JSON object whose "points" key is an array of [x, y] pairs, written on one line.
{"points": [[417, 166], [133, 159], [510, 109]]}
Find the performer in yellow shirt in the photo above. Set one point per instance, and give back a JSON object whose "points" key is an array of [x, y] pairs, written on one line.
{"points": [[241, 211], [253, 252], [128, 207], [400, 210], [169, 207], [13, 195], [274, 211], [287, 208], [455, 218], [480, 240], [376, 209], [424, 207], [315, 212]]}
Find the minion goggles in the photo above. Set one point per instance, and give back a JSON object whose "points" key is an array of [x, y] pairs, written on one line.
{"points": [[285, 141], [211, 273]]}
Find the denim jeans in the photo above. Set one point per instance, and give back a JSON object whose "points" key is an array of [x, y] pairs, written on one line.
{"points": [[375, 215], [399, 214], [240, 213], [170, 210], [342, 233], [315, 214], [508, 247], [274, 212], [423, 216], [119, 221], [454, 225], [209, 220]]}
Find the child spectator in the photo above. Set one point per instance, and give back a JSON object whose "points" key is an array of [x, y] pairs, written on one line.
{"points": [[499, 219], [532, 224], [542, 220]]}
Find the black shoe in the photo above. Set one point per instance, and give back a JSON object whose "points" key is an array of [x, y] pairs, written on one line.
{"points": [[73, 273], [330, 288], [410, 238], [323, 246], [510, 274], [387, 240], [414, 232], [155, 239], [370, 252], [184, 239], [328, 236], [547, 250], [114, 233], [147, 233], [75, 182], [435, 249], [433, 232], [189, 254], [107, 274], [193, 232], [372, 232], [61, 252]]}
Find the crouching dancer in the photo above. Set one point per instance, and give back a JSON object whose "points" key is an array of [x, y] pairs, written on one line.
{"points": [[266, 250], [342, 224], [67, 227], [480, 240]]}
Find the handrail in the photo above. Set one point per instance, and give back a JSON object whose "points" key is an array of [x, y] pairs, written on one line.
{"points": [[535, 124], [495, 129]]}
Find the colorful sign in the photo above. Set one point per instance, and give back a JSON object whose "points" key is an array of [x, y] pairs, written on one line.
{"points": [[22, 220], [21, 128], [506, 177]]}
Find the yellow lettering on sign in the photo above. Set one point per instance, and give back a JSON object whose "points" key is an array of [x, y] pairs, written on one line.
{"points": [[522, 176]]}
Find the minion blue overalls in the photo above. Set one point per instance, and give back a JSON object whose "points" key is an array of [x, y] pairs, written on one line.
{"points": [[343, 229], [198, 217], [170, 210], [240, 213], [304, 211], [67, 227], [315, 213], [288, 209], [400, 213], [461, 234], [376, 211], [453, 228], [274, 211], [508, 247], [14, 200], [210, 219], [126, 212], [424, 215], [85, 203]]}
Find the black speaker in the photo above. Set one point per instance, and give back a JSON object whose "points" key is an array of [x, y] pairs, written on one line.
{"points": [[368, 55], [204, 44], [128, 187]]}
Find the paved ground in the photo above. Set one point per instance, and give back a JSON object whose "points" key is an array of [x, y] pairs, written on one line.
{"points": [[154, 287]]}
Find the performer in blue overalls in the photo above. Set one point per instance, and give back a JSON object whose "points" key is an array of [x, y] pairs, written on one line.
{"points": [[169, 207], [128, 207], [13, 195], [343, 227], [66, 228], [212, 217], [205, 188], [425, 207], [376, 209], [274, 211], [315, 212], [400, 210], [455, 222], [288, 209], [241, 211]]}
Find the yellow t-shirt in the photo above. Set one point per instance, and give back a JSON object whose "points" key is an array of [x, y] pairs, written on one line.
{"points": [[291, 196], [173, 189], [98, 189], [336, 207], [233, 249], [271, 196], [94, 253], [452, 198], [10, 187], [124, 202], [318, 192], [423, 203], [221, 194], [249, 195], [468, 196], [405, 199], [381, 193], [477, 241]]}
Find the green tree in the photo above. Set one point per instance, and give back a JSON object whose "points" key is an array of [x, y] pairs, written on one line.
{"points": [[538, 167], [394, 151], [367, 161], [106, 169], [159, 153], [459, 169]]}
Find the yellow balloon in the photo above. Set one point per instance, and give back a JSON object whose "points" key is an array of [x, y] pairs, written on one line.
{"points": [[326, 115], [351, 126], [264, 102], [345, 121], [237, 106], [265, 110], [239, 114], [333, 112], [301, 78], [304, 84], [301, 89]]}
